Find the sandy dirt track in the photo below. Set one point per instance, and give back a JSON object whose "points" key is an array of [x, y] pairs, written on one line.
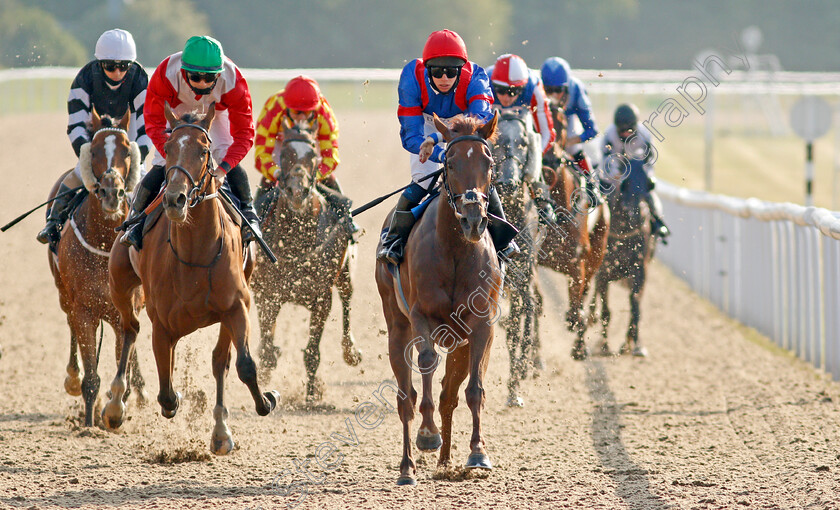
{"points": [[714, 418]]}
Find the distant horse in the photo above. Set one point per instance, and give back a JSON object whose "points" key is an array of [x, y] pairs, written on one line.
{"points": [[516, 155], [313, 256], [444, 293], [194, 271], [630, 249], [575, 246], [110, 167]]}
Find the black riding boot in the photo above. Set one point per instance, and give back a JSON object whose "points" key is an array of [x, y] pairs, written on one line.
{"points": [[341, 204], [500, 233], [545, 205], [401, 223], [146, 190], [657, 225], [238, 181], [58, 215]]}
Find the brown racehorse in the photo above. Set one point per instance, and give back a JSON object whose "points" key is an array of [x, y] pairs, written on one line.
{"points": [[191, 270], [313, 256], [110, 167], [576, 244], [444, 293]]}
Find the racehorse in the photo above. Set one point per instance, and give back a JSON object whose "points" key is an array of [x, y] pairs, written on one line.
{"points": [[194, 271], [629, 250], [444, 293], [313, 256], [110, 167], [576, 244], [516, 154]]}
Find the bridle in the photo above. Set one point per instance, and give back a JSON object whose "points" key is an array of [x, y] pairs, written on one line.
{"points": [[194, 195], [471, 196], [98, 186], [283, 171]]}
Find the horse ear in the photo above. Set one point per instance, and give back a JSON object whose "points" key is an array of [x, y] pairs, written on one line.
{"points": [[442, 128], [208, 119], [488, 130], [125, 119], [170, 117], [95, 120]]}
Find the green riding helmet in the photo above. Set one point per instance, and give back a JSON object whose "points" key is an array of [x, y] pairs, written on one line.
{"points": [[203, 54]]}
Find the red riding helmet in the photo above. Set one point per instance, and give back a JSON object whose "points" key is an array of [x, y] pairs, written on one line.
{"points": [[510, 71], [302, 93], [446, 48]]}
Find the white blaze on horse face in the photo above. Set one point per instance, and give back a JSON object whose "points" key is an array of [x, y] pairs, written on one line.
{"points": [[110, 148], [182, 142], [469, 152]]}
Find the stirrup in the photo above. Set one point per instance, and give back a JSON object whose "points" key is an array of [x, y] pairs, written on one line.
{"points": [[49, 234], [509, 251], [391, 252], [133, 236]]}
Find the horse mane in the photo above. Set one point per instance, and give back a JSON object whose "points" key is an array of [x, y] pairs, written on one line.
{"points": [[465, 125], [105, 121], [191, 118]]}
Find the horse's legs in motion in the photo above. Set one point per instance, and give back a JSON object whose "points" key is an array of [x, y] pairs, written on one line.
{"points": [[267, 313], [113, 413], [457, 368], [221, 442], [399, 331], [72, 383], [134, 376], [573, 316], [428, 435], [515, 345], [163, 345], [352, 355], [602, 294], [239, 327], [312, 353], [480, 343], [539, 364], [84, 329], [632, 342]]}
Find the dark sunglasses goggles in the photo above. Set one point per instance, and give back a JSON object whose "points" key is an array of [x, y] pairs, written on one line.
{"points": [[448, 71], [504, 90], [113, 65], [202, 77], [560, 89]]}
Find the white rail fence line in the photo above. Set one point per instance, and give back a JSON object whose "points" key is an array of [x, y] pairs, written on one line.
{"points": [[774, 267]]}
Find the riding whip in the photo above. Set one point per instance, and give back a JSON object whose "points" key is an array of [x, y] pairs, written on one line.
{"points": [[27, 213], [381, 199]]}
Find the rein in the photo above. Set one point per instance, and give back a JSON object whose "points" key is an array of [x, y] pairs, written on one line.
{"points": [[470, 196]]}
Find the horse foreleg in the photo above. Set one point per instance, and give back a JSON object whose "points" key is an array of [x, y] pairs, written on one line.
{"points": [[84, 328], [514, 345], [312, 353], [573, 317], [398, 335], [457, 368], [601, 293], [221, 442], [239, 328], [268, 307], [538, 310], [113, 413], [479, 346], [352, 355], [163, 345], [72, 383], [632, 342], [428, 435]]}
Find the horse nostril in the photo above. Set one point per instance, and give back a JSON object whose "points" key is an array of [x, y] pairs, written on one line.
{"points": [[181, 201], [465, 223], [121, 193], [482, 224]]}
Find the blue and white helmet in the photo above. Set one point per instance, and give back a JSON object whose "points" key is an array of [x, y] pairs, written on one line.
{"points": [[555, 72], [116, 44]]}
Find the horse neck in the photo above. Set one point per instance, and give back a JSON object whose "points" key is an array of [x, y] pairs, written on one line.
{"points": [[561, 193]]}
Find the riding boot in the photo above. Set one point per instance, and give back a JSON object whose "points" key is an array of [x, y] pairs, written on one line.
{"points": [[657, 225], [506, 247], [134, 227], [591, 178], [58, 215], [341, 204], [262, 198], [394, 240], [238, 181], [545, 205]]}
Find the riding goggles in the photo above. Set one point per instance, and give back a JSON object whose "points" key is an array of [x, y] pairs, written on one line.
{"points": [[113, 65], [439, 72], [202, 77], [504, 90], [560, 89]]}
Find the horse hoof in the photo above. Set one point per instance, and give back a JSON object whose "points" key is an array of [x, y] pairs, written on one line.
{"points": [[580, 353], [430, 443], [640, 352], [352, 356], [170, 413], [604, 350], [315, 389], [222, 445], [478, 461], [406, 480], [73, 386], [113, 414], [273, 398], [514, 401]]}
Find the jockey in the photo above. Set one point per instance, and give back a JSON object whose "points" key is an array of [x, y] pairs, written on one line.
{"points": [[627, 138], [567, 92], [112, 83], [446, 83], [301, 103], [191, 81], [516, 85]]}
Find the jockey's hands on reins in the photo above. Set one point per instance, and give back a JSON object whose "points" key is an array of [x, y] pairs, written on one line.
{"points": [[218, 174], [426, 149]]}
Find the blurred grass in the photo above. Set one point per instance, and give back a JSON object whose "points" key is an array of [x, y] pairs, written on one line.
{"points": [[747, 161]]}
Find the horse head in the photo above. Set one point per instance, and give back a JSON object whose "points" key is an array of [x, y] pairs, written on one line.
{"points": [[188, 162], [467, 172], [626, 200], [516, 150], [298, 161], [110, 163]]}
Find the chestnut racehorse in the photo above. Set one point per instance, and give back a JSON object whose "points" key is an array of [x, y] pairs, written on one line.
{"points": [[576, 244], [110, 167], [194, 271], [313, 256], [445, 292]]}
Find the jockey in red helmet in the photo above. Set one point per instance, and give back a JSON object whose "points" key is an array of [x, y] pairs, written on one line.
{"points": [[443, 82], [302, 104]]}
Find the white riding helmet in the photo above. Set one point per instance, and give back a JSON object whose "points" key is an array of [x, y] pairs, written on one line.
{"points": [[116, 44]]}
